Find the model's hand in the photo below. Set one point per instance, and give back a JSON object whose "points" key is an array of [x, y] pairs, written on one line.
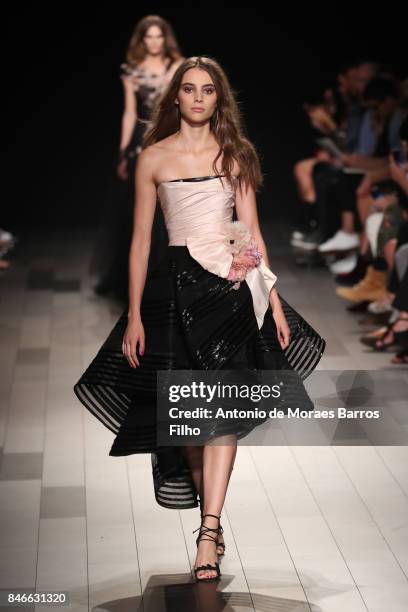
{"points": [[282, 327], [134, 336], [122, 170]]}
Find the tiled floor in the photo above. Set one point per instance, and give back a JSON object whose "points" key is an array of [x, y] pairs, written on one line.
{"points": [[307, 528]]}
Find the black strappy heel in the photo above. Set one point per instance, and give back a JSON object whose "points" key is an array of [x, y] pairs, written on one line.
{"points": [[220, 532], [401, 357], [398, 337], [202, 536], [379, 344]]}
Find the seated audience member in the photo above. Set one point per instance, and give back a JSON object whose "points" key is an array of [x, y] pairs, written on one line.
{"points": [[339, 117], [390, 235], [383, 99]]}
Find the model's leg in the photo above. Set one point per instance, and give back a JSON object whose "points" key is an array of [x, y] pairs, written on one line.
{"points": [[220, 549], [194, 457], [217, 466]]}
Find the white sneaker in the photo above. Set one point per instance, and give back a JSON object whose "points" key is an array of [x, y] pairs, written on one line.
{"points": [[308, 242], [345, 265], [297, 235], [341, 241], [5, 236]]}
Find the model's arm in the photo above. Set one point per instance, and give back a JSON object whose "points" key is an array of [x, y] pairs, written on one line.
{"points": [[129, 116], [145, 205], [245, 203]]}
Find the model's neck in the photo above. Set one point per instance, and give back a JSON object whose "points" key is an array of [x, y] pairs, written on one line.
{"points": [[195, 138]]}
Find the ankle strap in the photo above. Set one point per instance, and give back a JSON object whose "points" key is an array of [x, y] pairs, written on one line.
{"points": [[214, 515]]}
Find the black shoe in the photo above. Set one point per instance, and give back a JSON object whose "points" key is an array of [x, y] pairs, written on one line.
{"points": [[379, 320], [204, 535], [401, 357], [379, 335], [302, 229], [358, 307], [220, 532]]}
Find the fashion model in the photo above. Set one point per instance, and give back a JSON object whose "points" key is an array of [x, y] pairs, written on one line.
{"points": [[210, 304], [152, 58]]}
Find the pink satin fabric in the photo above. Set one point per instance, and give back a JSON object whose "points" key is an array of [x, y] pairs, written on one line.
{"points": [[196, 214]]}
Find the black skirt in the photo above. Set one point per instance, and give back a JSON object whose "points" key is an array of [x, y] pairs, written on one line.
{"points": [[193, 320]]}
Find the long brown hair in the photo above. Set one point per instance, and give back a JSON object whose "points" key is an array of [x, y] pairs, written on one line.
{"points": [[225, 122], [137, 51]]}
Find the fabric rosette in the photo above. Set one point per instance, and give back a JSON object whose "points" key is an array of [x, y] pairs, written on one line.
{"points": [[245, 251]]}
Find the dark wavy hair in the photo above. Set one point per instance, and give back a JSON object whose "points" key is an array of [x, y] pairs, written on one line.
{"points": [[136, 51], [225, 122]]}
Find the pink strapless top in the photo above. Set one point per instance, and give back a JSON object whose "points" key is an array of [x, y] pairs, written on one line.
{"points": [[196, 214]]}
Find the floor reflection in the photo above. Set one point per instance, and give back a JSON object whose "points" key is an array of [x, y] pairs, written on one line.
{"points": [[164, 594]]}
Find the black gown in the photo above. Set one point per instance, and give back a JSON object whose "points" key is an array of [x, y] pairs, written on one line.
{"points": [[110, 257], [193, 320]]}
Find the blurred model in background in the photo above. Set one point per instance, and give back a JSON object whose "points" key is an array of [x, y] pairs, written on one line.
{"points": [[152, 57]]}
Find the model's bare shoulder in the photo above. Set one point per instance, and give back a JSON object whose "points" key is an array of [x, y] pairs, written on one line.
{"points": [[158, 157], [165, 144], [146, 164]]}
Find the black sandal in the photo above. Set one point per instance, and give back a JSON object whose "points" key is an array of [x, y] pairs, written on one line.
{"points": [[220, 532], [201, 536], [401, 337], [398, 337], [379, 344], [379, 334], [401, 357]]}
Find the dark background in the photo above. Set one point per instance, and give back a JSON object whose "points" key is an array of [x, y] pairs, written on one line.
{"points": [[65, 94]]}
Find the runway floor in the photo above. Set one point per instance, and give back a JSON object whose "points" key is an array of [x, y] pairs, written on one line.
{"points": [[307, 528]]}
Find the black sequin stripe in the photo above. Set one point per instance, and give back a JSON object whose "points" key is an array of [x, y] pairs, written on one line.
{"points": [[306, 347]]}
